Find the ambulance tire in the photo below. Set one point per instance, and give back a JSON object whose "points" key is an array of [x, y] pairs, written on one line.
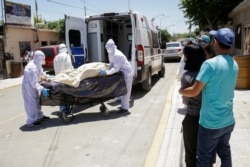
{"points": [[147, 83], [162, 72]]}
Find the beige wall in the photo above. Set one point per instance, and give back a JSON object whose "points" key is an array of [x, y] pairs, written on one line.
{"points": [[16, 34], [47, 35], [243, 19], [240, 15]]}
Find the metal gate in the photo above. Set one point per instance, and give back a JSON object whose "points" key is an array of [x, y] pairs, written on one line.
{"points": [[246, 46]]}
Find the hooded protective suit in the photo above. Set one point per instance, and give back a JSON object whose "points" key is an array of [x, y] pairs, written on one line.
{"points": [[31, 87], [62, 61], [119, 62]]}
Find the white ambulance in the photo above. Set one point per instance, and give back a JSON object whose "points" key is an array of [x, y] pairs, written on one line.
{"points": [[133, 33]]}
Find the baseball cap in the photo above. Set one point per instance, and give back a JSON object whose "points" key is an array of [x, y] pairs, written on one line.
{"points": [[212, 32], [224, 35], [204, 38]]}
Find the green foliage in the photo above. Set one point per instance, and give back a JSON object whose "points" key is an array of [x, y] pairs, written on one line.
{"points": [[58, 26], [164, 38], [53, 25], [62, 29], [207, 14], [38, 19]]}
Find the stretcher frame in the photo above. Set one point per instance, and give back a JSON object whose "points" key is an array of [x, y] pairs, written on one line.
{"points": [[91, 91]]}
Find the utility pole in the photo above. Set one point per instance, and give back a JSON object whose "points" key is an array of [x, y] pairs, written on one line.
{"points": [[128, 4], [169, 28], [4, 42], [153, 19], [85, 9], [2, 4]]}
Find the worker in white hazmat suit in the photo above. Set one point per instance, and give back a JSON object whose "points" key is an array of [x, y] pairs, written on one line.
{"points": [[31, 88], [63, 62], [118, 62]]}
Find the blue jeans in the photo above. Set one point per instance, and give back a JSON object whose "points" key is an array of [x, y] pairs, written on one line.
{"points": [[211, 141], [64, 109]]}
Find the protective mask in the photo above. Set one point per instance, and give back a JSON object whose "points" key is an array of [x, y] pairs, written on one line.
{"points": [[109, 50], [42, 62]]}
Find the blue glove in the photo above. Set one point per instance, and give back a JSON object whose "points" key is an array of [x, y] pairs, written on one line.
{"points": [[102, 72], [45, 92]]}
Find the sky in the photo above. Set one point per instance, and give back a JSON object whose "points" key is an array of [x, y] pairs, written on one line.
{"points": [[166, 12]]}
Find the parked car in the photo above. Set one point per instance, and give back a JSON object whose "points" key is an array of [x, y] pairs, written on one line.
{"points": [[182, 40], [50, 52], [174, 50]]}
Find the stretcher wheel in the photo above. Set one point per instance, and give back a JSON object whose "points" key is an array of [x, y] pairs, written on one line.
{"points": [[106, 113], [104, 110], [67, 117]]}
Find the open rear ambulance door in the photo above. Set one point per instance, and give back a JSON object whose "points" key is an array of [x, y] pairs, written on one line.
{"points": [[76, 39], [133, 61]]}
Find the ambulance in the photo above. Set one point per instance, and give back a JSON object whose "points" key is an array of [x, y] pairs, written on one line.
{"points": [[134, 34]]}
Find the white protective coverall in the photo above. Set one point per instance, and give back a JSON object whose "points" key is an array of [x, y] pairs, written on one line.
{"points": [[31, 87], [62, 61], [119, 62]]}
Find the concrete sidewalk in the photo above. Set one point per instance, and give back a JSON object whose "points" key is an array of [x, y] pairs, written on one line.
{"points": [[10, 82], [172, 150]]}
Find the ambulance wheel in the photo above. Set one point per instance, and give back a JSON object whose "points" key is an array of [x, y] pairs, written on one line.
{"points": [[104, 110], [106, 113], [162, 72], [147, 84]]}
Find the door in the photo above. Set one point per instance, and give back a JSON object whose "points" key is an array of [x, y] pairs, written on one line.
{"points": [[133, 45], [76, 39]]}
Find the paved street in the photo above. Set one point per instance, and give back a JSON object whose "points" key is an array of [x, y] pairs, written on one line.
{"points": [[149, 136], [91, 139]]}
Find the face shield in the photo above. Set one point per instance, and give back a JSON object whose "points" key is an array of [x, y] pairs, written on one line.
{"points": [[108, 50], [42, 61], [110, 46], [39, 57], [62, 48]]}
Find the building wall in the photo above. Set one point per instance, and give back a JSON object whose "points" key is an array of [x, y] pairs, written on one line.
{"points": [[17, 38], [50, 37], [16, 34], [240, 17]]}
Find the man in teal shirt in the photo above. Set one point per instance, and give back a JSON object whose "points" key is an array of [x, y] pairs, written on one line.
{"points": [[217, 80]]}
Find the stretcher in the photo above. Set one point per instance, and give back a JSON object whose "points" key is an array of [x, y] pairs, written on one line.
{"points": [[90, 91]]}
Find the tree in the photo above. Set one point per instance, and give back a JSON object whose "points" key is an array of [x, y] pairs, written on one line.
{"points": [[207, 14], [38, 19], [62, 29], [52, 25], [165, 37], [58, 26]]}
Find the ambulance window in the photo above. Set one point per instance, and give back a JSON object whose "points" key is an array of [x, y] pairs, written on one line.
{"points": [[75, 38], [129, 37], [155, 39], [129, 26]]}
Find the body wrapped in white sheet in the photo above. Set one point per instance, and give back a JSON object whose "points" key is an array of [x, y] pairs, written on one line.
{"points": [[75, 76]]}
